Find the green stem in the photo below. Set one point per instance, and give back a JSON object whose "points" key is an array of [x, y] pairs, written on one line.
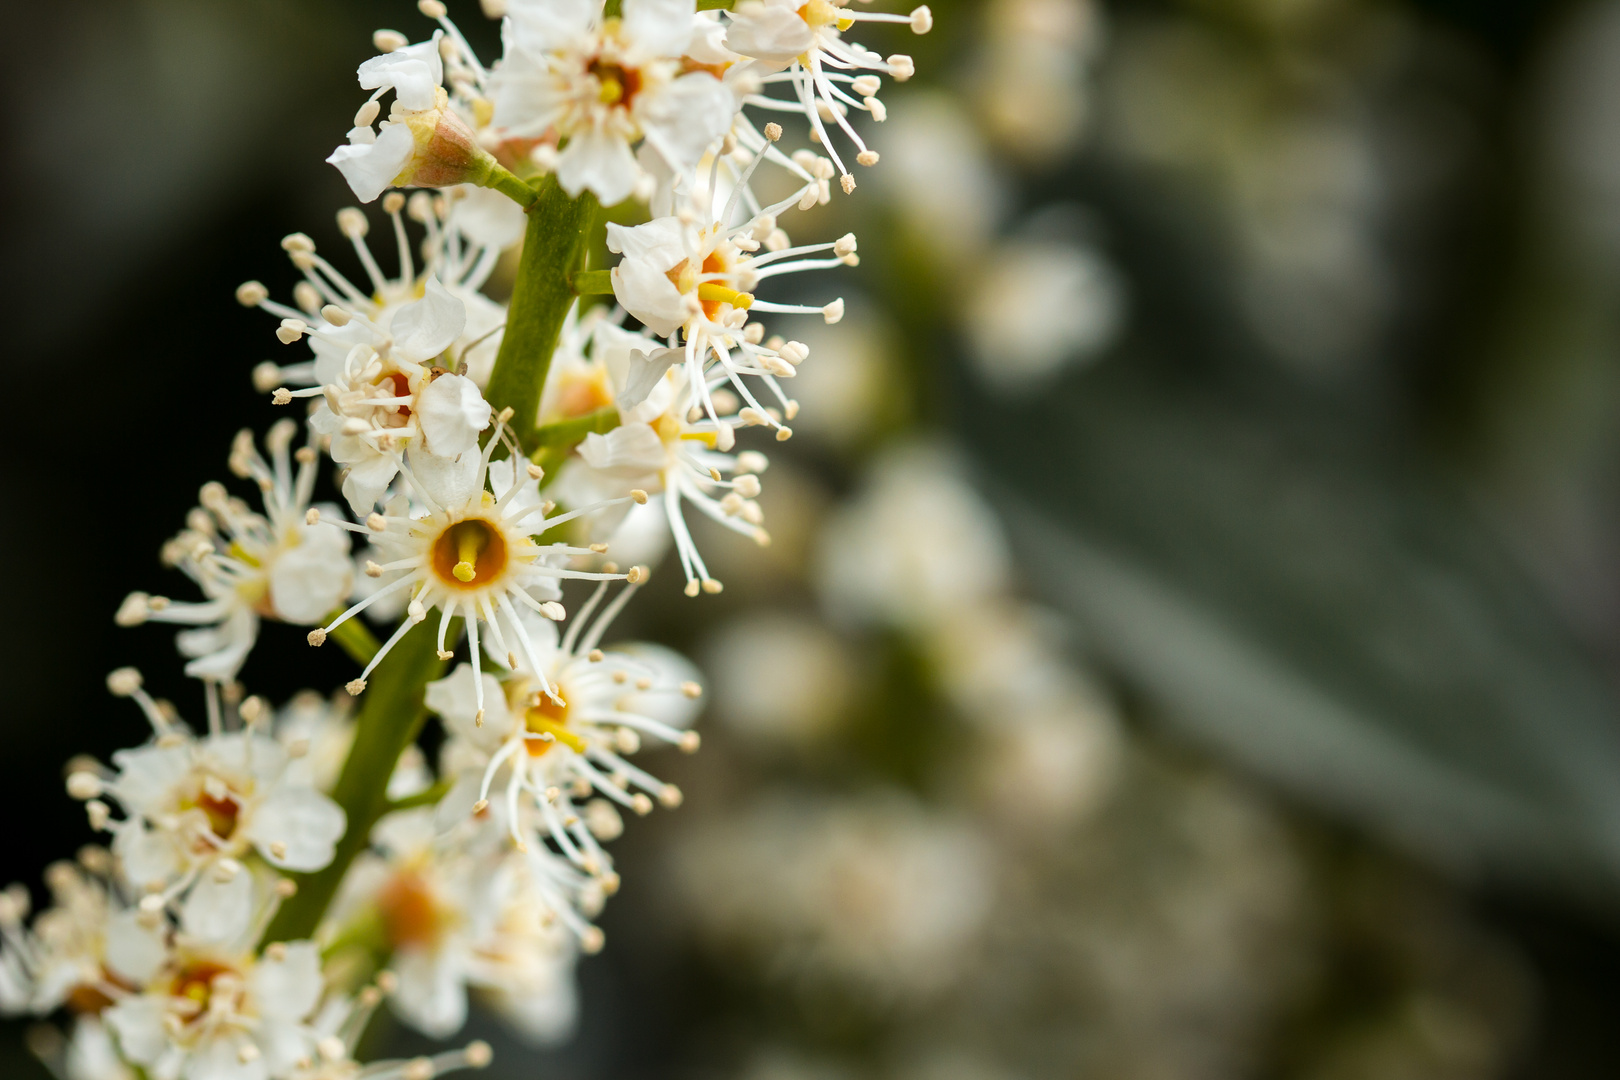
{"points": [[389, 721], [554, 249], [593, 282], [509, 185], [428, 796]]}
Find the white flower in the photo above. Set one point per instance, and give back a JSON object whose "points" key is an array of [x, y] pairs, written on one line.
{"points": [[658, 448], [248, 565], [917, 547], [223, 1015], [79, 950], [456, 918], [469, 550], [876, 892], [466, 230], [427, 139], [554, 734], [1081, 303], [196, 807], [600, 85], [384, 390], [698, 281], [806, 40]]}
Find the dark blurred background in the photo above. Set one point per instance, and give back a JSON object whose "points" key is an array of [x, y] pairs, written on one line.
{"points": [[1258, 362]]}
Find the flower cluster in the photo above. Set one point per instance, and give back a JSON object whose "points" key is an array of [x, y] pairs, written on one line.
{"points": [[270, 877]]}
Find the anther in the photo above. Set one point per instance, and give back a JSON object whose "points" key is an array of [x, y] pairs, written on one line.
{"points": [[641, 804], [352, 223], [866, 85], [637, 575], [773, 131], [867, 157], [316, 637], [690, 741], [281, 395], [251, 294], [535, 472], [847, 182], [553, 611], [355, 687], [595, 656], [312, 516], [478, 1055], [373, 570], [387, 41], [124, 681], [335, 315], [639, 496], [376, 522], [291, 330], [712, 586], [922, 20], [833, 311], [670, 796]]}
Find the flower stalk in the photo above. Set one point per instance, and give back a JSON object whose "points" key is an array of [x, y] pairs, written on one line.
{"points": [[389, 721], [555, 246]]}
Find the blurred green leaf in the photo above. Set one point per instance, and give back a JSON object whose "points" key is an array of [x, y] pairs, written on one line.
{"points": [[1322, 609]]}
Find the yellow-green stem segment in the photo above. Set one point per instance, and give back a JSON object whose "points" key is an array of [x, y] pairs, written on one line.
{"points": [[555, 246], [390, 719]]}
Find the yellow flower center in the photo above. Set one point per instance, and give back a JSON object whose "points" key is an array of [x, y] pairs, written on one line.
{"points": [[470, 554]]}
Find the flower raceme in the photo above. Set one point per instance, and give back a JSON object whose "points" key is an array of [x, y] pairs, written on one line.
{"points": [[183, 950]]}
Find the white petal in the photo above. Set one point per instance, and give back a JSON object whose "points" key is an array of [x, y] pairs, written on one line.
{"points": [[686, 117], [599, 161], [457, 804], [148, 856], [451, 413], [658, 27], [431, 996], [452, 698], [91, 1054], [308, 581], [771, 33], [648, 294], [543, 25], [486, 217], [371, 167], [137, 1021], [134, 952], [369, 475], [447, 481], [628, 451], [425, 328], [304, 820], [414, 73], [288, 989], [148, 777], [219, 1058], [643, 373], [659, 241], [218, 911]]}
